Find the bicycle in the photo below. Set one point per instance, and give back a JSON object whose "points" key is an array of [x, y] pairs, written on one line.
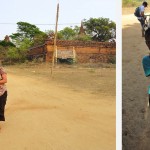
{"points": [[147, 23]]}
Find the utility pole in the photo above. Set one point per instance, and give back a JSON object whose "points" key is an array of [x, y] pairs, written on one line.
{"points": [[55, 39]]}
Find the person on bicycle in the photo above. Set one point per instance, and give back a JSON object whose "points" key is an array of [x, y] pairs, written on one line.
{"points": [[142, 18]]}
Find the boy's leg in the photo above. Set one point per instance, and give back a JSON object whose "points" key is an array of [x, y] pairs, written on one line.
{"points": [[142, 21]]}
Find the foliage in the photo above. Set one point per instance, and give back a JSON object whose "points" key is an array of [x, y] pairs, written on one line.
{"points": [[39, 39], [100, 29], [76, 29], [83, 38], [19, 53], [6, 44], [67, 34], [3, 51], [97, 29], [50, 33], [28, 31], [27, 35], [13, 53]]}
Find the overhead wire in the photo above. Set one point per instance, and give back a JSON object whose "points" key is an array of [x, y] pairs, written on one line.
{"points": [[4, 23]]}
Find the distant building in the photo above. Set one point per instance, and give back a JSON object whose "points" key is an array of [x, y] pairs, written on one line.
{"points": [[7, 39], [82, 30]]}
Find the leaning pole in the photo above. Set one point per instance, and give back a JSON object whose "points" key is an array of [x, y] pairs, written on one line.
{"points": [[55, 39]]}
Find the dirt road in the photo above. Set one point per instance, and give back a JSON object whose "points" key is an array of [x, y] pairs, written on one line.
{"points": [[44, 113], [136, 125]]}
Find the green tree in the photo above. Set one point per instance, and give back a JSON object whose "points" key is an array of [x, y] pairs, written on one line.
{"points": [[83, 38], [66, 34], [12, 54], [69, 33], [100, 29], [3, 51], [39, 39], [27, 35], [28, 31], [19, 53], [6, 44], [76, 29], [50, 33]]}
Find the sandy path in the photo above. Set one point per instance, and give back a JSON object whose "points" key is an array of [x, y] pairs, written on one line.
{"points": [[43, 116], [135, 113]]}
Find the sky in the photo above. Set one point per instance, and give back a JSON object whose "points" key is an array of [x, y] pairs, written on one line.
{"points": [[42, 13]]}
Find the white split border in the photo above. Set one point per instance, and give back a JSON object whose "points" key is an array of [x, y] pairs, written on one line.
{"points": [[119, 75]]}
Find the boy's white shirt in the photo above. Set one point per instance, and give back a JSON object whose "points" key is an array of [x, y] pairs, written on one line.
{"points": [[142, 8]]}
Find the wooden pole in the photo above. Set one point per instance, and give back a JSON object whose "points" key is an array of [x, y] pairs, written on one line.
{"points": [[55, 39], [74, 55], [56, 54]]}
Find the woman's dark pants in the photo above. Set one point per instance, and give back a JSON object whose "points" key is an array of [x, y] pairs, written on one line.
{"points": [[3, 99]]}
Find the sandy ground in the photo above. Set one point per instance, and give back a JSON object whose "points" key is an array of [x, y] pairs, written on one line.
{"points": [[72, 110], [136, 114]]}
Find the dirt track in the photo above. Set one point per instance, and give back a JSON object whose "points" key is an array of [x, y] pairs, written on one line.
{"points": [[136, 115], [44, 113]]}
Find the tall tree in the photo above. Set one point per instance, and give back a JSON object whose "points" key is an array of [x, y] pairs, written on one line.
{"points": [[28, 31], [100, 29], [27, 35]]}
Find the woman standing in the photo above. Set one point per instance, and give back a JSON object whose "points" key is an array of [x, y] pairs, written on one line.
{"points": [[3, 93]]}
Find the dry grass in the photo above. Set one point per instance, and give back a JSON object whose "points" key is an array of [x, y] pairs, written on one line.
{"points": [[128, 10], [96, 78]]}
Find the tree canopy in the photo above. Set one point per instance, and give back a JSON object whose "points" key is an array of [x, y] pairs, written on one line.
{"points": [[28, 31], [67, 33], [6, 44], [100, 29], [28, 35]]}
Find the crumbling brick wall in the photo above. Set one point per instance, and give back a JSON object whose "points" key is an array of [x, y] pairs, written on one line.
{"points": [[93, 58], [85, 51]]}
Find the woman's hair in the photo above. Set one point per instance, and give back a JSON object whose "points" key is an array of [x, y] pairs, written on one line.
{"points": [[147, 37]]}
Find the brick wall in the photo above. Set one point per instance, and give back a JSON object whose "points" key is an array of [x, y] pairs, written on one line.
{"points": [[85, 51], [86, 54]]}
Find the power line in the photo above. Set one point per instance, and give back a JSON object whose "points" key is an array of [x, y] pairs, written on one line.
{"points": [[42, 24]]}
